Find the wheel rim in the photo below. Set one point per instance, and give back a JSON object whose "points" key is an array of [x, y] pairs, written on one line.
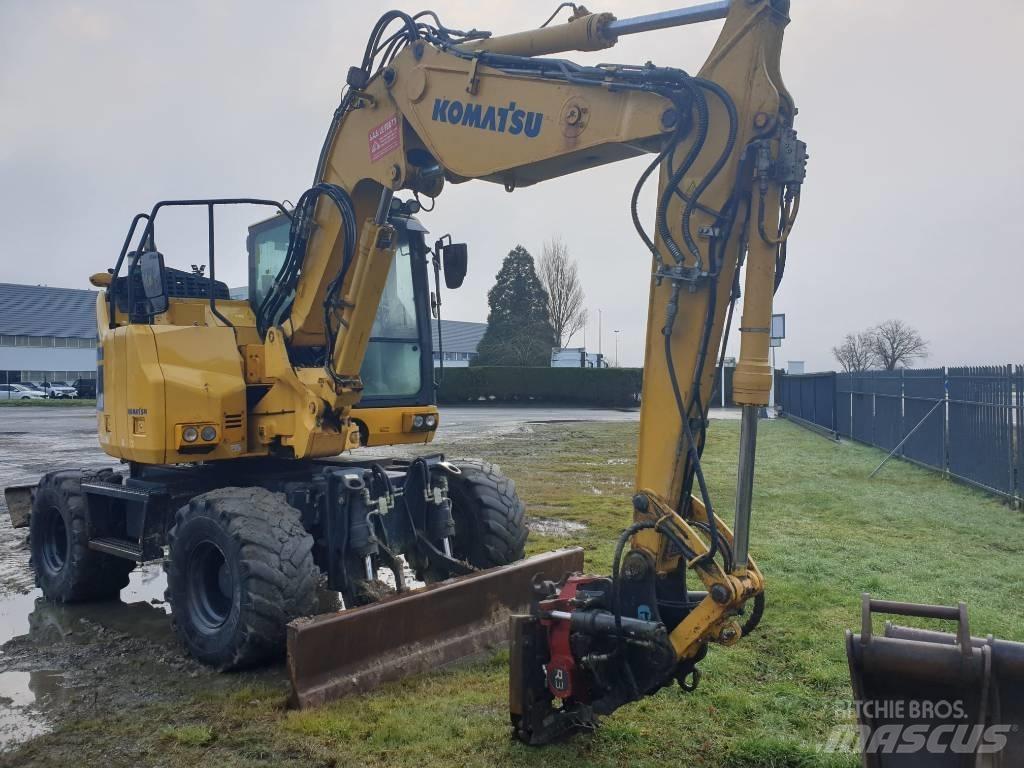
{"points": [[55, 543], [210, 587]]}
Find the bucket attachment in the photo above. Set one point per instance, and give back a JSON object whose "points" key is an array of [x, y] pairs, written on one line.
{"points": [[926, 698], [356, 650]]}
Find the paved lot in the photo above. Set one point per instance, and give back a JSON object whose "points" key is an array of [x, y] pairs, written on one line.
{"points": [[35, 440]]}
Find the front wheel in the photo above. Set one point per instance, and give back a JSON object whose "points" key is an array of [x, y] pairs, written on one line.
{"points": [[240, 568], [490, 519]]}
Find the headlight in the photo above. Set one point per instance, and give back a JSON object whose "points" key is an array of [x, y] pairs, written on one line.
{"points": [[417, 422], [209, 434], [190, 434], [431, 421]]}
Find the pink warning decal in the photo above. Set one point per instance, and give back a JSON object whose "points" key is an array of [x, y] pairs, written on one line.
{"points": [[384, 138]]}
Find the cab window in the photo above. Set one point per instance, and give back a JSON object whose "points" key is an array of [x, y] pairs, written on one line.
{"points": [[268, 250], [392, 366]]}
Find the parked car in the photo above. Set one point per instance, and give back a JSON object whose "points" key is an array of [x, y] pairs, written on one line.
{"points": [[85, 388], [19, 392], [58, 389]]}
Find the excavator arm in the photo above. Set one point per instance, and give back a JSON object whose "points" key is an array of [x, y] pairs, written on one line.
{"points": [[430, 106]]}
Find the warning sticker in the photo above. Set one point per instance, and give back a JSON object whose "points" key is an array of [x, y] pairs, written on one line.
{"points": [[384, 138]]}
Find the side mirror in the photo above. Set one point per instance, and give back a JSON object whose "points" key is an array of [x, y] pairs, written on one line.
{"points": [[455, 259], [154, 286]]}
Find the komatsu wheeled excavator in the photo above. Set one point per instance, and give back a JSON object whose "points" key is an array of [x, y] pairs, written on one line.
{"points": [[235, 418]]}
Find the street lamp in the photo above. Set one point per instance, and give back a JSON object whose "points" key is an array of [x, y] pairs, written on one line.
{"points": [[616, 348]]}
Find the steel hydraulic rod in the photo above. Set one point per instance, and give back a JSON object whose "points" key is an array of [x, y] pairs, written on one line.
{"points": [[595, 31], [745, 486], [665, 19]]}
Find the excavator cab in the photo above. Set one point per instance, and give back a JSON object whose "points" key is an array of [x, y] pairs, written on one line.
{"points": [[398, 402]]}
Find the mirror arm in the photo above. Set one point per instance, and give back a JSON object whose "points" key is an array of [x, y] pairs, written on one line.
{"points": [[436, 261]]}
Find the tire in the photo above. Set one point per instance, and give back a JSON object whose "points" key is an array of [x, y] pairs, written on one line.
{"points": [[65, 568], [240, 568], [490, 520]]}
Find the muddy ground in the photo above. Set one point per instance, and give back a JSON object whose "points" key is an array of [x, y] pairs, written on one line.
{"points": [[86, 661]]}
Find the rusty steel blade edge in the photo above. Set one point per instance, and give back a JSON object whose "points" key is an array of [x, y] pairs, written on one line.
{"points": [[356, 650]]}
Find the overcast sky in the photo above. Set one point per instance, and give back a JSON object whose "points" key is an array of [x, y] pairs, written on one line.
{"points": [[911, 109]]}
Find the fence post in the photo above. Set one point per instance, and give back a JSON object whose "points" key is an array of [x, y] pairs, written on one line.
{"points": [[945, 421], [1018, 434], [835, 396], [903, 403], [1007, 397]]}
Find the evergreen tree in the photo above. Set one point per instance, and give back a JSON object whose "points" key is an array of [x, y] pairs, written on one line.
{"points": [[518, 325]]}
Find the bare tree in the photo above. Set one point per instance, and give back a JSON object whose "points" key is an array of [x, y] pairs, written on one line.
{"points": [[857, 352], [897, 345], [560, 276]]}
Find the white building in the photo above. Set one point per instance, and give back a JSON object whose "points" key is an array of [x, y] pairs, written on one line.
{"points": [[47, 334], [576, 357]]}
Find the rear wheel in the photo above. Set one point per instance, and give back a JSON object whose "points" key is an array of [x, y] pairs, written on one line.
{"points": [[240, 568], [490, 519], [65, 568]]}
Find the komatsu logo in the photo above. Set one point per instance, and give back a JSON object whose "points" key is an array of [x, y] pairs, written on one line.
{"points": [[510, 119]]}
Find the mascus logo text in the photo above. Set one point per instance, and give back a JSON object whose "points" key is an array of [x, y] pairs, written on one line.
{"points": [[508, 119]]}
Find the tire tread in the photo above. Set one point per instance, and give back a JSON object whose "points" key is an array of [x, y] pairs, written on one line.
{"points": [[275, 562]]}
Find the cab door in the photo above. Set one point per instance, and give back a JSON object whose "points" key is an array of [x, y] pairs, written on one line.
{"points": [[398, 366]]}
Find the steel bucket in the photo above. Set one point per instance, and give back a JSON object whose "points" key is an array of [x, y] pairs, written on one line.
{"points": [[926, 698]]}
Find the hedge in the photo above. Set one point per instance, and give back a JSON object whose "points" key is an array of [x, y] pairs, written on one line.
{"points": [[580, 386]]}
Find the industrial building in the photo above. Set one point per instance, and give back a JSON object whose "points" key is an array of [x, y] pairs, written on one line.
{"points": [[460, 340], [46, 334], [49, 334], [576, 357]]}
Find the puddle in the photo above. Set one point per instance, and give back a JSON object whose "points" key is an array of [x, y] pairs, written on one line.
{"points": [[388, 577], [549, 526], [18, 720], [37, 625], [22, 614]]}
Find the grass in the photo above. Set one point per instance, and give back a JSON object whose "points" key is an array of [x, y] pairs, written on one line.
{"points": [[823, 533], [48, 403], [188, 735]]}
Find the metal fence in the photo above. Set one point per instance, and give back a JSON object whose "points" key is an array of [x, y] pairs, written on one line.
{"points": [[964, 422], [810, 398]]}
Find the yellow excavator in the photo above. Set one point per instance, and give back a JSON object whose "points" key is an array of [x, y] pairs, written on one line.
{"points": [[237, 419]]}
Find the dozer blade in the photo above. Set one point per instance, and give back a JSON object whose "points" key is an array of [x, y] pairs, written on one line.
{"points": [[355, 650], [927, 698]]}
